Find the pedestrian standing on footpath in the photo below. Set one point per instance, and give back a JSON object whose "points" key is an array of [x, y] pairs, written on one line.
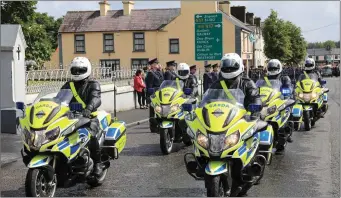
{"points": [[207, 77], [215, 73], [139, 87], [170, 71], [193, 70], [154, 80]]}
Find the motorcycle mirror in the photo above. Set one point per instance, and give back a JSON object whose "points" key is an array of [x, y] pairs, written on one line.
{"points": [[20, 105], [75, 106], [255, 108], [187, 107], [188, 91], [151, 91]]}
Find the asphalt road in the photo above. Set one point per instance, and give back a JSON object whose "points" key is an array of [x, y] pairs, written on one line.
{"points": [[310, 167]]}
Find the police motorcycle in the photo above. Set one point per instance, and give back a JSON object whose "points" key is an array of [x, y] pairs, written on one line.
{"points": [[313, 99], [226, 143], [55, 140], [276, 112], [169, 114]]}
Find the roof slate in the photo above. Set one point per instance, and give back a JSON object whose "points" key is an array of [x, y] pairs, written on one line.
{"points": [[143, 19]]}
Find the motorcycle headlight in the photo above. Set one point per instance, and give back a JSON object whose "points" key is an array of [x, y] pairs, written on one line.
{"points": [[271, 110], [39, 139], [174, 108], [307, 97], [52, 135], [157, 109], [313, 95], [27, 135], [231, 140], [202, 140]]}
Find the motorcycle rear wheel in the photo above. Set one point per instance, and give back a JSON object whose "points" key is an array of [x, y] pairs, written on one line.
{"points": [[97, 181], [166, 142], [36, 184]]}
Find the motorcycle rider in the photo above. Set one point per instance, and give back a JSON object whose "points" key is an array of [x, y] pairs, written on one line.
{"points": [[231, 71], [88, 93], [310, 70], [274, 72], [184, 75]]}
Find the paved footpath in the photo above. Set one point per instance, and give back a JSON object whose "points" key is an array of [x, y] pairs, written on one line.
{"points": [[11, 144]]}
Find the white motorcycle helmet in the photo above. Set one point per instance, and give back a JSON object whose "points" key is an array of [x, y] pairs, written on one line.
{"points": [[80, 68], [183, 71], [309, 64], [231, 66], [274, 67]]}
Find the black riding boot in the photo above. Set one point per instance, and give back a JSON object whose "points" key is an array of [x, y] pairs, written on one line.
{"points": [[96, 156]]}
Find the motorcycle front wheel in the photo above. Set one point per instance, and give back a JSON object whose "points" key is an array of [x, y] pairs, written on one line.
{"points": [[37, 185], [216, 186], [166, 142], [307, 120]]}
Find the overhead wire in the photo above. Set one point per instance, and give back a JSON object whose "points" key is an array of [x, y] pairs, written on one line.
{"points": [[320, 27]]}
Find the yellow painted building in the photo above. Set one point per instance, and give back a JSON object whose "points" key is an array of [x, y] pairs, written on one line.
{"points": [[126, 39]]}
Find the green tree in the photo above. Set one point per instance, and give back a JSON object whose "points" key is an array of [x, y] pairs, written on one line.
{"points": [[276, 38], [298, 45], [39, 46], [330, 44], [40, 29], [51, 26], [17, 12]]}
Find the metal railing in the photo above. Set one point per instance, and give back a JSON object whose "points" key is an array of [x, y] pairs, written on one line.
{"points": [[38, 80]]}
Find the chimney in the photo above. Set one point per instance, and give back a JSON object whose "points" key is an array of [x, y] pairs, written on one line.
{"points": [[104, 7], [224, 6], [239, 12], [257, 21], [250, 18], [127, 7]]}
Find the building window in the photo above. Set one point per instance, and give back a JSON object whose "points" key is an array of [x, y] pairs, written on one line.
{"points": [[337, 57], [114, 64], [139, 42], [174, 47], [80, 43], [108, 42], [139, 63]]}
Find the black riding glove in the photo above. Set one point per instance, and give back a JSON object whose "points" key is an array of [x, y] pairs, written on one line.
{"points": [[86, 113]]}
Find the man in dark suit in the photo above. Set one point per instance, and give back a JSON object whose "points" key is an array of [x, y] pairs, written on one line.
{"points": [[170, 73], [215, 73], [193, 70], [207, 77], [153, 80]]}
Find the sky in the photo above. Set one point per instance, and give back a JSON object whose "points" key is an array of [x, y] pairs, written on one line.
{"points": [[318, 20]]}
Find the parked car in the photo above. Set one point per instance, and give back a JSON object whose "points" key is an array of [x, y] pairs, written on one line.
{"points": [[336, 71], [327, 71]]}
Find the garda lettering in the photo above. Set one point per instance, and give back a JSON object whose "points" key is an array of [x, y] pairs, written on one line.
{"points": [[222, 105], [44, 105]]}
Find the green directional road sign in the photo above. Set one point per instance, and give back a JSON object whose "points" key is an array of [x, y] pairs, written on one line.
{"points": [[208, 36]]}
